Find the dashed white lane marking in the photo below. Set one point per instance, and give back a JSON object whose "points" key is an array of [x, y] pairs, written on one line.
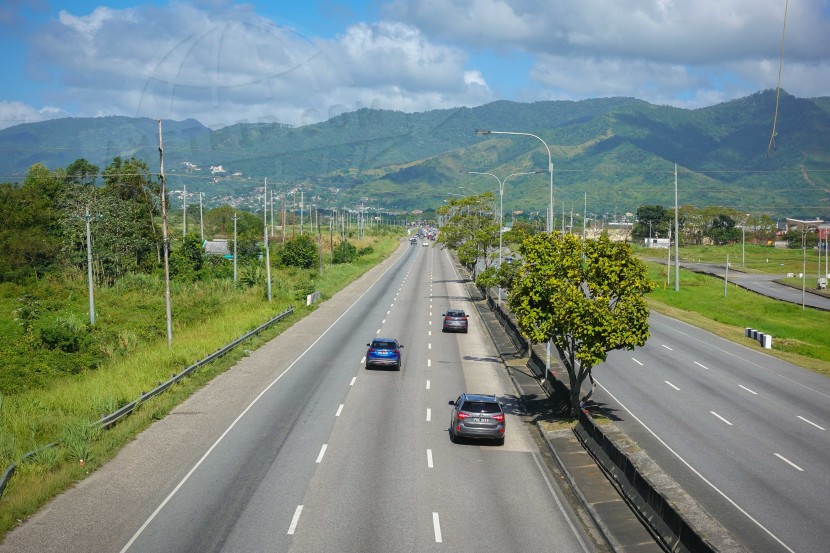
{"points": [[429, 458], [378, 332], [672, 385], [429, 362], [636, 361], [430, 313], [339, 410], [789, 462], [747, 389], [388, 312], [383, 322], [429, 414], [430, 333], [427, 384], [667, 347], [811, 422], [701, 366], [322, 452], [392, 304], [429, 346], [436, 525], [295, 519], [353, 381], [363, 360], [721, 418], [430, 323]]}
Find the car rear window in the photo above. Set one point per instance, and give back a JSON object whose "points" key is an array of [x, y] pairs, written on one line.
{"points": [[377, 344], [455, 313], [481, 407]]}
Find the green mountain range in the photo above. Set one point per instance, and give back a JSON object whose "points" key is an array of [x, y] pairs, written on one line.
{"points": [[619, 152]]}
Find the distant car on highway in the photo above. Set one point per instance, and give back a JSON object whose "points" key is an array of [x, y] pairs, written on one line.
{"points": [[477, 416], [413, 240], [455, 320], [384, 352], [425, 243]]}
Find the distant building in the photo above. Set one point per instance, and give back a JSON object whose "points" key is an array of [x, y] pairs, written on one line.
{"points": [[656, 243], [217, 247]]}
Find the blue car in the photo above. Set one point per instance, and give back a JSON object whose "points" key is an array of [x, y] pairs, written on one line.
{"points": [[384, 352]]}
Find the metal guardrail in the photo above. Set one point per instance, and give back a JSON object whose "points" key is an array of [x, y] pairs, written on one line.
{"points": [[108, 420]]}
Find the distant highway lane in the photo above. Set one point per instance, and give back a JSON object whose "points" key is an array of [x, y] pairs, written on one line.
{"points": [[744, 433], [300, 448]]}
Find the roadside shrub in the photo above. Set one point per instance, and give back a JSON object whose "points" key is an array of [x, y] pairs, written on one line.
{"points": [[65, 333], [368, 250], [344, 253], [300, 251]]}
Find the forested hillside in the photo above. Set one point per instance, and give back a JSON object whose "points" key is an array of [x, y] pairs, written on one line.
{"points": [[619, 151]]}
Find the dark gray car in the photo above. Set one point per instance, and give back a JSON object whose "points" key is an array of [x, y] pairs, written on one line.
{"points": [[477, 416]]}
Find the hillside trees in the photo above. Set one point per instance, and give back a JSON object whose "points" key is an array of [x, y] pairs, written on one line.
{"points": [[586, 308]]}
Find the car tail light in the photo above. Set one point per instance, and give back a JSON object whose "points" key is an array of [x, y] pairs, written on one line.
{"points": [[462, 415], [499, 417]]}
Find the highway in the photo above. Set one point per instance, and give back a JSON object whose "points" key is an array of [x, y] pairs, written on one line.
{"points": [[743, 432], [299, 448]]}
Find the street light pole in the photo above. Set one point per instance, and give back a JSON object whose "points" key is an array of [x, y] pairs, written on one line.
{"points": [[501, 206], [550, 210]]}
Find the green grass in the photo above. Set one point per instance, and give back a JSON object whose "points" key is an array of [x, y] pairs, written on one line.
{"points": [[206, 316], [799, 334], [755, 259]]}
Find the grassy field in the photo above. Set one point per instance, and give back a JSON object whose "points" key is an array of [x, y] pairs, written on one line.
{"points": [[61, 406], [755, 259], [799, 336]]}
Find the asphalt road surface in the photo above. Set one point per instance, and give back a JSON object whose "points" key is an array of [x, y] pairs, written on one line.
{"points": [[746, 434], [299, 448]]}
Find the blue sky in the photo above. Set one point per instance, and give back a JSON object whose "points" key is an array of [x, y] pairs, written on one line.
{"points": [[224, 62]]}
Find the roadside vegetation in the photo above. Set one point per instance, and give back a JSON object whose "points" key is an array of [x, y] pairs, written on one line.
{"points": [[61, 373]]}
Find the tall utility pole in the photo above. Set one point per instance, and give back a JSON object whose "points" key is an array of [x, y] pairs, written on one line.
{"points": [[283, 217], [166, 243], [676, 237], [234, 247], [265, 237], [302, 210], [89, 270], [201, 219], [272, 213], [184, 210]]}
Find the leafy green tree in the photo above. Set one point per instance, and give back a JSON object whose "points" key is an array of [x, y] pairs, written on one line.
{"points": [[300, 251], [82, 172], [657, 216], [30, 235], [586, 308], [187, 261], [723, 231], [471, 230]]}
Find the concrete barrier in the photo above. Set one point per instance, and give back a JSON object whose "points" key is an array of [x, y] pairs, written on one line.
{"points": [[311, 298], [762, 338]]}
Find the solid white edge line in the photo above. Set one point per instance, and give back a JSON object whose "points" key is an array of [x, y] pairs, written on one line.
{"points": [[721, 418], [789, 462], [339, 410], [811, 422], [429, 458], [436, 526], [295, 519], [321, 454], [747, 389], [672, 385], [694, 470], [429, 414], [201, 460], [702, 366], [559, 503], [637, 362]]}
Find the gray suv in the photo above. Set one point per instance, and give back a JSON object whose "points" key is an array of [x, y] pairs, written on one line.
{"points": [[477, 416]]}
